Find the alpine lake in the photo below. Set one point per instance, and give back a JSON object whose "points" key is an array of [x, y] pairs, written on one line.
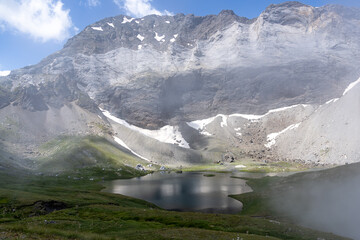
{"points": [[187, 191]]}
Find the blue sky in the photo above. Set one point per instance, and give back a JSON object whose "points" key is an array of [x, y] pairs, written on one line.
{"points": [[32, 29]]}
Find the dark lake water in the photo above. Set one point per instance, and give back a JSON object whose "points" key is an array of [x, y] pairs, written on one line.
{"points": [[185, 191]]}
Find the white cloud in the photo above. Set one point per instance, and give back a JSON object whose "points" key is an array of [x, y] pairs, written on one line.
{"points": [[139, 8], [91, 3], [42, 19]]}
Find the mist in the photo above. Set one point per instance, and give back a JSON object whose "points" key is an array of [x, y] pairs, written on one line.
{"points": [[330, 205]]}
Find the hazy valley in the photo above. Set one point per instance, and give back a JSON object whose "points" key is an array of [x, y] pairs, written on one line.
{"points": [[130, 96]]}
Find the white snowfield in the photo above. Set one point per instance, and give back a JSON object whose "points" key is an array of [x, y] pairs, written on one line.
{"points": [[351, 85], [159, 38], [4, 73], [332, 100], [247, 116], [224, 121], [111, 25], [141, 38], [200, 125], [121, 143], [127, 20], [166, 134], [271, 138], [285, 108], [174, 38], [97, 28], [252, 117]]}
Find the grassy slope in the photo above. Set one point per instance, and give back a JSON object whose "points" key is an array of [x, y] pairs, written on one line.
{"points": [[27, 203], [250, 166], [82, 153], [91, 214]]}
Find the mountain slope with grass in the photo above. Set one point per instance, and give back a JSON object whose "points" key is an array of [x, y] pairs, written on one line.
{"points": [[80, 153], [186, 90], [71, 206]]}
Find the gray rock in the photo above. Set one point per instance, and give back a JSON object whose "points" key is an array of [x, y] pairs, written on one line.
{"points": [[162, 70], [216, 64], [139, 167]]}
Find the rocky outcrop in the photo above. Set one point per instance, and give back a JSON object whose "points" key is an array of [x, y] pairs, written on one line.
{"points": [[166, 71], [160, 70]]}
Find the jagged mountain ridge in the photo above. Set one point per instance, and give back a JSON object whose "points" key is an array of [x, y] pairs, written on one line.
{"points": [[173, 70], [292, 53]]}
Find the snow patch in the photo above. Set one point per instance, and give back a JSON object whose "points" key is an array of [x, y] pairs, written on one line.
{"points": [[137, 22], [247, 116], [332, 101], [240, 166], [223, 121], [159, 38], [351, 85], [4, 73], [176, 35], [166, 134], [167, 22], [126, 20], [237, 131], [111, 25], [123, 144], [139, 47], [200, 125], [252, 117], [97, 28], [271, 138], [205, 133], [141, 38], [285, 108], [172, 40]]}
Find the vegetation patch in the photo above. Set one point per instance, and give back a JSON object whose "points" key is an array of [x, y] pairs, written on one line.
{"points": [[209, 175], [88, 154], [61, 207]]}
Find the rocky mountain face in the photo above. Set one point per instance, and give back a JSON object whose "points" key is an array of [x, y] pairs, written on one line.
{"points": [[330, 134], [148, 81]]}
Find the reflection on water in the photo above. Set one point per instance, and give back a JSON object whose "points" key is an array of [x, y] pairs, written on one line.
{"points": [[261, 175], [184, 192]]}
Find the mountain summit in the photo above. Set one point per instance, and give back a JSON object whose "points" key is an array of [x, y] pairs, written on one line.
{"points": [[156, 75]]}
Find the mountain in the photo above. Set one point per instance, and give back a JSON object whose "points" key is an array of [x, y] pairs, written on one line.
{"points": [[145, 84], [331, 134]]}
